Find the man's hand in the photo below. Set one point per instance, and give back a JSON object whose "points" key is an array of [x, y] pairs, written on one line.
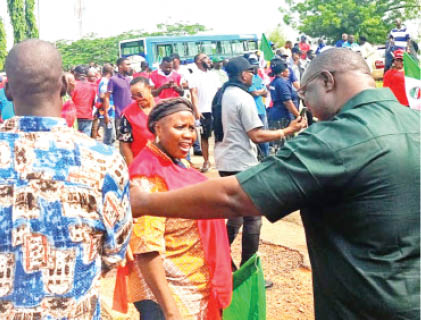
{"points": [[296, 125]]}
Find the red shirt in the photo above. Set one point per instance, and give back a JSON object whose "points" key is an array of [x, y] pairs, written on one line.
{"points": [[304, 47], [395, 80], [144, 74], [84, 96], [159, 79]]}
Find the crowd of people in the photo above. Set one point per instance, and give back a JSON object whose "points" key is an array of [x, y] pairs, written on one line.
{"points": [[95, 168]]}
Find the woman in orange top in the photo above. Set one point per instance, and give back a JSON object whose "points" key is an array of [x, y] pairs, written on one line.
{"points": [[394, 78], [133, 132], [181, 268]]}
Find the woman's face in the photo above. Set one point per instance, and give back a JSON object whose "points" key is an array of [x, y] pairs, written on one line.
{"points": [[176, 133], [141, 93]]}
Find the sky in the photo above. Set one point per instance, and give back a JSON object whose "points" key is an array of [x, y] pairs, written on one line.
{"points": [[58, 20]]}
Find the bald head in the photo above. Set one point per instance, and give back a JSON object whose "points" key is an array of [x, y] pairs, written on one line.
{"points": [[34, 70], [338, 60]]}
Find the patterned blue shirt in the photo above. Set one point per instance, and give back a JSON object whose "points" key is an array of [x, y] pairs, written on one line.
{"points": [[64, 216]]}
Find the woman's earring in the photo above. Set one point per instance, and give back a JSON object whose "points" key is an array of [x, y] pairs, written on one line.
{"points": [[156, 139]]}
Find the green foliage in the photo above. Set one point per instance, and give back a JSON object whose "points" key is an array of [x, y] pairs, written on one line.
{"points": [[102, 50], [277, 37], [3, 47], [17, 17], [31, 30], [331, 18]]}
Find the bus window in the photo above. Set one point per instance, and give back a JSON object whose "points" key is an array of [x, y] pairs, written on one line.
{"points": [[237, 47], [181, 49], [194, 48], [162, 50], [133, 48], [209, 47], [252, 44], [226, 48]]}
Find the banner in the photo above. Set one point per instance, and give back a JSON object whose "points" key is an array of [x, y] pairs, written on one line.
{"points": [[412, 81]]}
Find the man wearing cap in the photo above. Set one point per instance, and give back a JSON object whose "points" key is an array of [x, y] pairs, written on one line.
{"points": [[84, 99], [394, 78], [258, 90], [236, 151]]}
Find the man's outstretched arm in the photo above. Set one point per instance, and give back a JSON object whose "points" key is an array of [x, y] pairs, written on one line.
{"points": [[216, 198]]}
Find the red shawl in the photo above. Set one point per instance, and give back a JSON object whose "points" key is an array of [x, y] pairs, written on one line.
{"points": [[153, 162]]}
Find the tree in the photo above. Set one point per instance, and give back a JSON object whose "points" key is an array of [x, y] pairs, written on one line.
{"points": [[3, 47], [31, 30], [17, 18], [277, 37], [102, 50], [331, 18]]}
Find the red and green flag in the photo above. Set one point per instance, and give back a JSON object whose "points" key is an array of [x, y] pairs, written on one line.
{"points": [[412, 81]]}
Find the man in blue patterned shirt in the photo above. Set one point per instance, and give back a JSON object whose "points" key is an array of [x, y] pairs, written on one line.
{"points": [[64, 205]]}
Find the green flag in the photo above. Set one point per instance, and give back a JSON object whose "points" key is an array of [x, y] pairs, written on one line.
{"points": [[265, 48], [412, 81]]}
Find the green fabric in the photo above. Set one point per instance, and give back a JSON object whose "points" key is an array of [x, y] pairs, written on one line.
{"points": [[412, 67], [356, 180], [265, 48], [249, 293]]}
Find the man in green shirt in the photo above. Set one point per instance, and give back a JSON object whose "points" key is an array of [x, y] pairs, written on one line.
{"points": [[355, 176]]}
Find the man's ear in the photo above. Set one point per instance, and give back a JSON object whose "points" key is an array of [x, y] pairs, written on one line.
{"points": [[329, 81], [7, 92], [63, 88]]}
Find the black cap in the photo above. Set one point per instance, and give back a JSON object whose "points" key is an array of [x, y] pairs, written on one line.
{"points": [[277, 66], [82, 70], [237, 65]]}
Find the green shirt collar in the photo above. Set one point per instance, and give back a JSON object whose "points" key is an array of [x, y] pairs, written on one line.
{"points": [[368, 96]]}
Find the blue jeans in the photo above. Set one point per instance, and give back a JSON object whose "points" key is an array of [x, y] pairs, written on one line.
{"points": [[264, 146], [149, 310], [85, 126], [109, 131]]}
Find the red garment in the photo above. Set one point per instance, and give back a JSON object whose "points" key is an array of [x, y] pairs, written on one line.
{"points": [[160, 79], [84, 96], [144, 74], [304, 47], [139, 122], [213, 232], [68, 112], [395, 80]]}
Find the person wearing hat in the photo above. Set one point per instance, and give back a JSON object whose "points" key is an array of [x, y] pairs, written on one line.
{"points": [[394, 78], [258, 91], [284, 98], [235, 149]]}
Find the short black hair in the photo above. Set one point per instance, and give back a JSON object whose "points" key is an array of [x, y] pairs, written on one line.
{"points": [[175, 56], [139, 79], [120, 61], [167, 59]]}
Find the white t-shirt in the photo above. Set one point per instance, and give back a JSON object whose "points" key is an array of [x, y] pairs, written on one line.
{"points": [[236, 152], [206, 83]]}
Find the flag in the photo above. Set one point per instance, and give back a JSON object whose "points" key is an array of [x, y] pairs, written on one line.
{"points": [[412, 81], [265, 48]]}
